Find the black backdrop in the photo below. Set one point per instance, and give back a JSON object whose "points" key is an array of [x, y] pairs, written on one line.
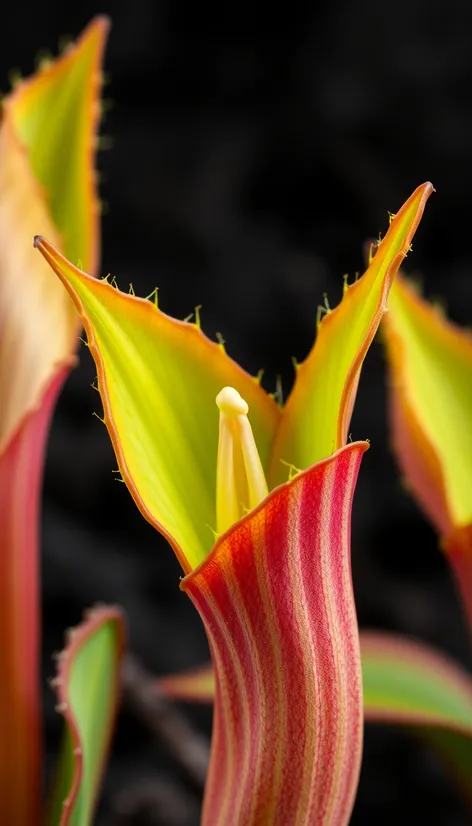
{"points": [[254, 150]]}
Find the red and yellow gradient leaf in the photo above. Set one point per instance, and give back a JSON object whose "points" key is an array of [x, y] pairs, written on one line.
{"points": [[197, 685], [318, 411], [87, 685], [38, 336], [38, 328], [430, 361], [275, 596], [168, 445], [55, 115], [158, 378], [21, 466], [410, 684]]}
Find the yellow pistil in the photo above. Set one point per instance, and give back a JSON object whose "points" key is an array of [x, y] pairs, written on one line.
{"points": [[240, 480]]}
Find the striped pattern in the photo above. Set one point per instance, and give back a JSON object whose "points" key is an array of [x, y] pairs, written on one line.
{"points": [[21, 466], [276, 599]]}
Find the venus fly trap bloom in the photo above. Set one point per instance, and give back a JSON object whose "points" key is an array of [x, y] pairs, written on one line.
{"points": [[274, 591], [47, 179]]}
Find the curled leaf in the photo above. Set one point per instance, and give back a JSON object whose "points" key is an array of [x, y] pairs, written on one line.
{"points": [[21, 470], [158, 378], [275, 596], [317, 414], [87, 686], [430, 361], [405, 682], [39, 334], [410, 684], [38, 339]]}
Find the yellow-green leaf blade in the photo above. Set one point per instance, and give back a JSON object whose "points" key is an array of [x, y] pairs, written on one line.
{"points": [[430, 361], [87, 689], [317, 414], [159, 378], [55, 114]]}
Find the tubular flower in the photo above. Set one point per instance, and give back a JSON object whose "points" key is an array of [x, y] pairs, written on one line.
{"points": [[275, 486], [430, 361], [47, 179]]}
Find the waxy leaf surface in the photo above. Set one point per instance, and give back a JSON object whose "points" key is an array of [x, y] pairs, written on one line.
{"points": [[405, 683], [21, 466], [55, 115], [275, 596], [318, 411], [37, 321], [87, 688], [430, 359], [159, 378], [38, 338]]}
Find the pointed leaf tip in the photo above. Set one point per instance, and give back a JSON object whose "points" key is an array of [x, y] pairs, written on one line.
{"points": [[55, 117], [316, 418], [140, 351], [49, 123]]}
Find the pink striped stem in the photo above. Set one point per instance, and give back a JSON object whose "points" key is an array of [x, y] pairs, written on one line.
{"points": [[276, 598], [21, 468]]}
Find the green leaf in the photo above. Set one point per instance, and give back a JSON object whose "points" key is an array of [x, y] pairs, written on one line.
{"points": [[55, 114], [406, 682], [316, 417], [158, 378], [87, 690]]}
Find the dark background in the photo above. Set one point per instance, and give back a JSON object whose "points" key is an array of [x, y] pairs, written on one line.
{"points": [[254, 150]]}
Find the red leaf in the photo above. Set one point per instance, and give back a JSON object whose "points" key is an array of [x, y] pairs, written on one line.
{"points": [[275, 595], [21, 466]]}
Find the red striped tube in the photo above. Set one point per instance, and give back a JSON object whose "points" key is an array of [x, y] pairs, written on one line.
{"points": [[275, 595]]}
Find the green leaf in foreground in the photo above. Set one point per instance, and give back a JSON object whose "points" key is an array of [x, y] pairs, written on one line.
{"points": [[87, 688]]}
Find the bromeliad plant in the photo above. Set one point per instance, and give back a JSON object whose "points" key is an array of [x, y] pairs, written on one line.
{"points": [[48, 131], [255, 500]]}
